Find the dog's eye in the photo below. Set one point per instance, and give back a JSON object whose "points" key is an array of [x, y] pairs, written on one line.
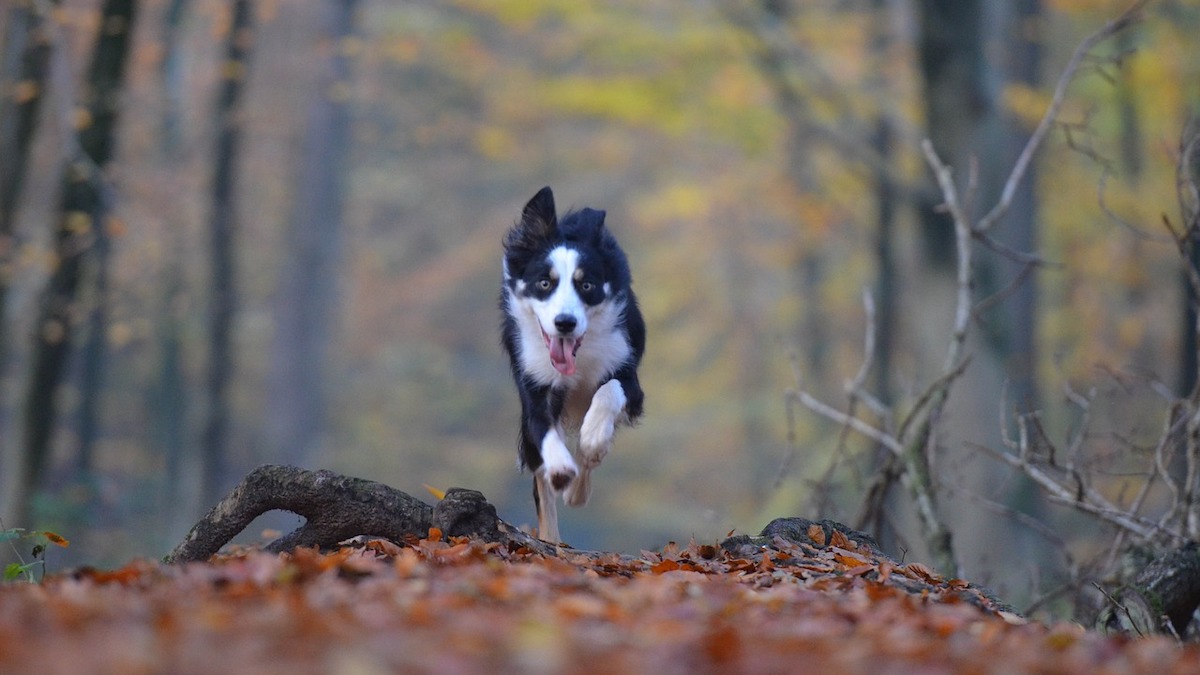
{"points": [[544, 284], [586, 286]]}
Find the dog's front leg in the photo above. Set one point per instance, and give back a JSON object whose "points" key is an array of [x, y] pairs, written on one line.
{"points": [[557, 473], [595, 438], [558, 467], [599, 423], [542, 446]]}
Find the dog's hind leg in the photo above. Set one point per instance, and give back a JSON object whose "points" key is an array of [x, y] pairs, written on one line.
{"points": [[580, 489], [547, 508]]}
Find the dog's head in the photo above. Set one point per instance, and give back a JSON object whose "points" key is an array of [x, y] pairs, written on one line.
{"points": [[560, 273]]}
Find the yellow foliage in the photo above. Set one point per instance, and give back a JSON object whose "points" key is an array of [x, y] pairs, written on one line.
{"points": [[675, 201], [82, 118], [495, 142], [1026, 103], [624, 99], [24, 91], [77, 222]]}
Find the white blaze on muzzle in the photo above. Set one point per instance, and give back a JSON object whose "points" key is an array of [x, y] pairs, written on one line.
{"points": [[564, 301]]}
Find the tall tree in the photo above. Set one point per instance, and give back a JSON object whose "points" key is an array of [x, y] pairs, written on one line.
{"points": [[305, 307], [169, 402], [957, 103], [223, 300], [1015, 325], [959, 91], [1186, 16], [86, 203], [24, 66]]}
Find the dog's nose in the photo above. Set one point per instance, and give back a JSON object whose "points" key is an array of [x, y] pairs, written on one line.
{"points": [[565, 323]]}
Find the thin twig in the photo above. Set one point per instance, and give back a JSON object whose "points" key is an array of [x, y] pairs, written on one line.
{"points": [[1121, 606]]}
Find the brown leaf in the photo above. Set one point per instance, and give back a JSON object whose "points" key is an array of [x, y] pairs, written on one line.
{"points": [[916, 570], [817, 534], [840, 540]]}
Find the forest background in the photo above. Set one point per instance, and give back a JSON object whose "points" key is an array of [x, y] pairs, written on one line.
{"points": [[291, 252]]}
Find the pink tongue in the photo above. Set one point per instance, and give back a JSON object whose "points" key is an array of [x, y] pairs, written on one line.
{"points": [[562, 355]]}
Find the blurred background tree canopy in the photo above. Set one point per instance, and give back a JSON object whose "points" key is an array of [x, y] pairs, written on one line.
{"points": [[292, 250]]}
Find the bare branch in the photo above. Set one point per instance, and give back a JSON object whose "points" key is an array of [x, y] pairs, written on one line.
{"points": [[962, 238], [1081, 497], [825, 410], [1126, 19], [854, 386]]}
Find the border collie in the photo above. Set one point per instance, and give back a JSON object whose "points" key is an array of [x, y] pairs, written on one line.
{"points": [[575, 337]]}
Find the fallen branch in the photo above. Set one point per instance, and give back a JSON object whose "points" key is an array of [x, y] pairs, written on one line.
{"points": [[337, 508], [1161, 599]]}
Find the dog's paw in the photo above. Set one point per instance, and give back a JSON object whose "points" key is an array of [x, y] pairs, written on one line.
{"points": [[557, 463], [595, 442], [561, 478]]}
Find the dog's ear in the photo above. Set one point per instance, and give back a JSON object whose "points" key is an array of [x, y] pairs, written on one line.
{"points": [[539, 218], [591, 224]]}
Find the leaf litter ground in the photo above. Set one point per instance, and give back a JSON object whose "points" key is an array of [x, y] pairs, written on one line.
{"points": [[464, 606]]}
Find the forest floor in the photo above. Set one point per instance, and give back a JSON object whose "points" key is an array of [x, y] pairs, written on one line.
{"points": [[463, 606]]}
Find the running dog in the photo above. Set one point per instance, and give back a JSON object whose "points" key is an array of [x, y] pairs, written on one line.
{"points": [[574, 337]]}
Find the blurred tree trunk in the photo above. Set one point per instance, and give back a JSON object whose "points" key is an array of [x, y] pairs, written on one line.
{"points": [[886, 281], [1186, 15], [1189, 173], [1016, 325], [91, 377], [963, 83], [169, 405], [957, 104], [305, 306], [223, 300], [85, 207], [960, 116], [24, 66]]}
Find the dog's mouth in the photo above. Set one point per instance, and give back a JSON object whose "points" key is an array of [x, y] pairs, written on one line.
{"points": [[562, 351]]}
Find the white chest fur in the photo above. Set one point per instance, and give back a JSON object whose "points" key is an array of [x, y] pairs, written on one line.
{"points": [[604, 349]]}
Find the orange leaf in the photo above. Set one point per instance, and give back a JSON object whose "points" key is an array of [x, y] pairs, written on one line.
{"points": [[859, 570], [840, 540], [817, 534], [664, 566], [56, 539], [453, 551]]}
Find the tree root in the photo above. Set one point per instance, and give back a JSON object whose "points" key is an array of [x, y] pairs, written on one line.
{"points": [[337, 508]]}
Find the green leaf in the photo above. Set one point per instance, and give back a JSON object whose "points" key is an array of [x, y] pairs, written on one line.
{"points": [[13, 570]]}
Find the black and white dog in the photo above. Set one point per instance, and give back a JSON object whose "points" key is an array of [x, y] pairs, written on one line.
{"points": [[575, 337]]}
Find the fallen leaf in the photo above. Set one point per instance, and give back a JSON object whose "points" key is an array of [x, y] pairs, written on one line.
{"points": [[817, 534]]}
